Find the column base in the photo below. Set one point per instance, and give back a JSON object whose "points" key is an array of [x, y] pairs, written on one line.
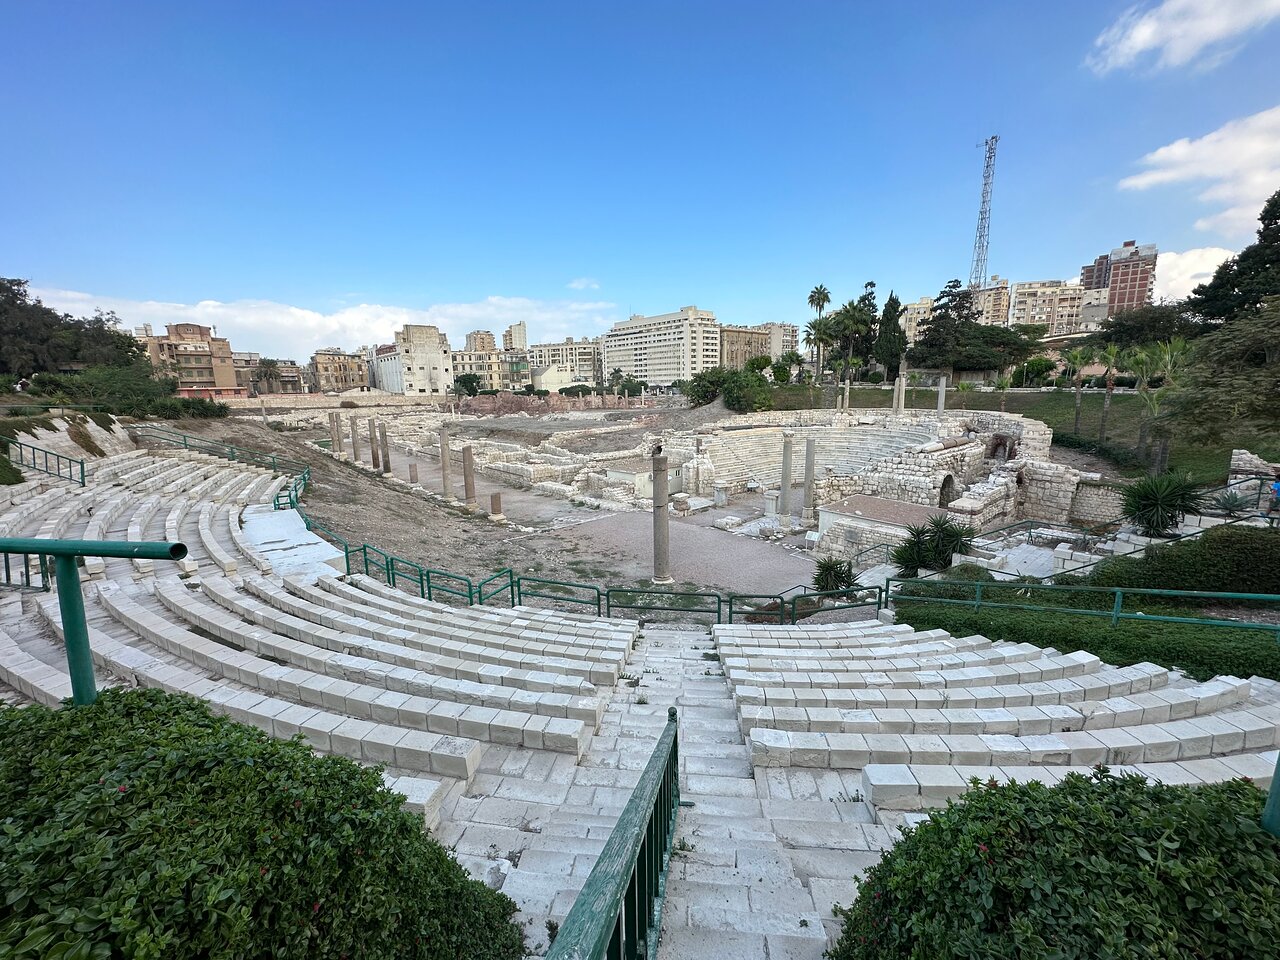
{"points": [[662, 581]]}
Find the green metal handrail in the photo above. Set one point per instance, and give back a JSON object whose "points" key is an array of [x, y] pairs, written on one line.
{"points": [[23, 580], [228, 451], [523, 590], [38, 458], [75, 631], [610, 604], [505, 581], [744, 610], [618, 914], [326, 532], [877, 601]]}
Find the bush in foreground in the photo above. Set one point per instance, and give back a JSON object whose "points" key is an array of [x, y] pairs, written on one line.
{"points": [[1097, 866], [145, 827]]}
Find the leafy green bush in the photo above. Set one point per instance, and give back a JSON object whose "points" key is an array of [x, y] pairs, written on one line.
{"points": [[145, 827], [1226, 559], [8, 472], [875, 376], [1202, 652], [1097, 866], [832, 573], [1158, 504], [931, 545]]}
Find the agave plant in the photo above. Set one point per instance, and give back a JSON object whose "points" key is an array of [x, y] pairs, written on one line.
{"points": [[1156, 505], [914, 552], [831, 574], [947, 537], [1232, 503]]}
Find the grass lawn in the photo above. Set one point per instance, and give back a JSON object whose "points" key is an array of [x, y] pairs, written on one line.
{"points": [[1207, 462]]}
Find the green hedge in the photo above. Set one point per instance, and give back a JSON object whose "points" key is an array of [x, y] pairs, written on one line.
{"points": [[145, 827], [1097, 866], [1229, 559], [1202, 652]]}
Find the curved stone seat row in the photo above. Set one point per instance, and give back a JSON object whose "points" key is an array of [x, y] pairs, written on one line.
{"points": [[809, 636], [922, 786], [1226, 732], [1155, 706], [49, 686], [875, 648], [984, 653], [338, 656], [103, 469], [15, 519], [403, 740], [449, 658]]}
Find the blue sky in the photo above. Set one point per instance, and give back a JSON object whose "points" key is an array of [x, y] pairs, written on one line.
{"points": [[313, 173]]}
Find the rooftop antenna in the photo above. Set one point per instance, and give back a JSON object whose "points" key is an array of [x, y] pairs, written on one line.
{"points": [[978, 265]]}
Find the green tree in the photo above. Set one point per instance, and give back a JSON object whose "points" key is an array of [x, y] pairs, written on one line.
{"points": [[757, 364], [470, 383], [1076, 360], [819, 299], [891, 339], [852, 330], [705, 386], [1032, 370], [615, 378], [1242, 283], [783, 366], [941, 336], [266, 374], [1002, 385], [745, 391], [963, 389], [1114, 358], [1151, 323], [35, 338], [913, 381]]}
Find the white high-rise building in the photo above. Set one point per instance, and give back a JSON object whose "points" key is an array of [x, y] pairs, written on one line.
{"points": [[663, 349], [516, 337], [420, 363], [914, 315], [581, 356]]}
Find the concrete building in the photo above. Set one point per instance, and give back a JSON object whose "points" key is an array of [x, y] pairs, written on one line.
{"points": [[663, 349], [387, 369], [287, 376], [783, 338], [1054, 304], [201, 361], [426, 366], [992, 302], [1127, 273], [582, 355], [334, 370], [554, 378], [1093, 308], [915, 315], [639, 473], [740, 344], [480, 341], [497, 370], [516, 337]]}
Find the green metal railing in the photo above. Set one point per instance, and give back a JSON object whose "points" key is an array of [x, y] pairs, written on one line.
{"points": [[329, 535], [66, 554], [1110, 605], [618, 914], [18, 573], [45, 461], [740, 606], [853, 599], [502, 582], [626, 598], [558, 590]]}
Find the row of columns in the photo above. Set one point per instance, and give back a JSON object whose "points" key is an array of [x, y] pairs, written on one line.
{"points": [[899, 396]]}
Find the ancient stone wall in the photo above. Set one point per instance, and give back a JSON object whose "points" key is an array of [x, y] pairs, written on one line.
{"points": [[1097, 501]]}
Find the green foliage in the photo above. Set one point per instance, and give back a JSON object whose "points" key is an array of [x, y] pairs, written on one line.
{"points": [[781, 372], [37, 339], [1202, 652], [891, 339], [632, 388], [954, 338], [129, 390], [577, 390], [757, 365], [832, 573], [875, 376], [746, 392], [1245, 280], [1095, 866], [1158, 504], [1226, 559], [931, 545], [1033, 372], [705, 386], [1151, 323], [469, 382], [1119, 455], [8, 473], [1232, 503], [145, 827]]}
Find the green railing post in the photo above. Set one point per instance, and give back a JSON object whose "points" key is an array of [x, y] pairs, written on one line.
{"points": [[75, 631], [1271, 812], [977, 597], [1117, 607]]}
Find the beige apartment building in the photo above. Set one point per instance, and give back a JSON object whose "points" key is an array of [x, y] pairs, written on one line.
{"points": [[289, 377], [497, 369], [665, 348], [1053, 304], [915, 315], [783, 338], [581, 356], [334, 370], [740, 344], [516, 337], [480, 341], [992, 302], [201, 361]]}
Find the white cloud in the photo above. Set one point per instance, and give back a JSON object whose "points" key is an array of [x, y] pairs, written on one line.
{"points": [[1177, 274], [284, 331], [583, 283], [1240, 161], [1180, 32]]}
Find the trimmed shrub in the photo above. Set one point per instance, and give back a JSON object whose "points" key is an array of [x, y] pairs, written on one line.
{"points": [[1201, 652], [347, 404], [875, 376], [1227, 559], [1096, 866], [145, 827]]}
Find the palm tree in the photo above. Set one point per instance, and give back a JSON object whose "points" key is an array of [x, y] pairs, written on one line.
{"points": [[1115, 358], [1172, 356], [913, 381], [1144, 365], [819, 297], [1076, 360], [267, 371], [1003, 384], [963, 389]]}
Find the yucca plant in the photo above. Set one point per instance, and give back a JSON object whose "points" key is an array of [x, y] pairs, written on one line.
{"points": [[914, 552], [947, 537], [1156, 505], [832, 574], [1232, 503]]}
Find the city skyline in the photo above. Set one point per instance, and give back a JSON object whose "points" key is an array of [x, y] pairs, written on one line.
{"points": [[223, 191]]}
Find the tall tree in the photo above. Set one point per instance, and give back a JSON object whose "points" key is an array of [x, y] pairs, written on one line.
{"points": [[1076, 360], [1114, 359], [35, 338], [850, 326], [891, 339], [267, 372], [1244, 281], [819, 299], [1152, 323]]}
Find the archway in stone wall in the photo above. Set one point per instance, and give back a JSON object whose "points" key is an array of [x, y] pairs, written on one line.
{"points": [[948, 491], [1002, 447]]}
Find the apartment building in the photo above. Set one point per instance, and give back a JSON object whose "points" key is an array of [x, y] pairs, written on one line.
{"points": [[497, 370], [286, 375], [992, 302], [665, 348], [516, 337], [426, 364], [1054, 304], [740, 344], [783, 337], [334, 370], [581, 356], [480, 341], [1127, 273], [200, 360], [915, 315]]}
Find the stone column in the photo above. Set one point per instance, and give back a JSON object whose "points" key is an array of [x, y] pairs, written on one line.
{"points": [[846, 395], [413, 473], [899, 395], [661, 530], [784, 501], [355, 439], [808, 515], [374, 459], [386, 448], [446, 465], [942, 394], [262, 405], [335, 438], [495, 507], [468, 477]]}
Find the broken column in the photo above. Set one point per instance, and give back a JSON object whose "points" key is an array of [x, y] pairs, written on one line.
{"points": [[942, 394], [808, 515], [468, 477], [446, 465], [386, 448], [899, 394], [784, 500], [847, 385], [355, 439], [495, 507], [335, 438], [413, 473], [661, 530], [374, 459]]}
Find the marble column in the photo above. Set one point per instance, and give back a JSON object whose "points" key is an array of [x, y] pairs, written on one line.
{"points": [[784, 501], [942, 394], [374, 459], [468, 477], [446, 465], [808, 514], [661, 529], [386, 448], [355, 439]]}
